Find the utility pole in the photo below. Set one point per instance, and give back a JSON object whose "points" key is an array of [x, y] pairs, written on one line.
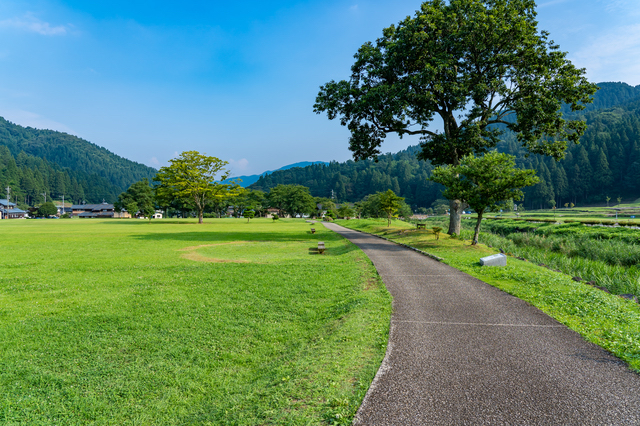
{"points": [[7, 211]]}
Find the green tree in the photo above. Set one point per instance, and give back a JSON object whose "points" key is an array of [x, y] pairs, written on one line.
{"points": [[603, 178], [292, 199], [473, 63], [139, 197], [47, 209], [249, 214], [324, 204], [346, 211], [484, 181], [193, 179], [390, 203]]}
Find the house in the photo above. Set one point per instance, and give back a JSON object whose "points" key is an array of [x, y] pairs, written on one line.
{"points": [[89, 211], [9, 210], [272, 211]]}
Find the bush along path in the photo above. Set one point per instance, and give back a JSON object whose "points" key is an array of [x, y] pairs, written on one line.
{"points": [[463, 352]]}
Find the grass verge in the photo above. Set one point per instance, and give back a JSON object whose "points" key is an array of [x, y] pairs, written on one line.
{"points": [[604, 319], [121, 322]]}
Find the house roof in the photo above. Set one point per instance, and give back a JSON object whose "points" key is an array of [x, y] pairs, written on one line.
{"points": [[93, 207], [3, 202]]}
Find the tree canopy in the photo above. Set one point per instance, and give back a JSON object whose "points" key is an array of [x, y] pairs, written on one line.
{"points": [[482, 182], [390, 203], [193, 179], [47, 209], [292, 199], [139, 197], [477, 65]]}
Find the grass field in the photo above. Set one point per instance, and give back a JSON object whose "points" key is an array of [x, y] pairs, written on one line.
{"points": [[124, 322], [604, 319]]}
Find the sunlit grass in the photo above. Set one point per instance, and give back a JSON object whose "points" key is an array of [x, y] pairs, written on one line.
{"points": [[126, 322]]}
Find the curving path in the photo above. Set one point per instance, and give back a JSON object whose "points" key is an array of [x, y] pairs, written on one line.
{"points": [[462, 352]]}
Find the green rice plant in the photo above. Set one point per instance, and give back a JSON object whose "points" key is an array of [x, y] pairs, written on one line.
{"points": [[617, 279]]}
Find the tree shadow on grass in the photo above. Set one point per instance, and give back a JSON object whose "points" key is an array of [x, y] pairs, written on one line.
{"points": [[209, 233]]}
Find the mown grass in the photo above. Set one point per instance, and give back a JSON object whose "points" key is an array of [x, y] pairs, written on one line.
{"points": [[228, 323], [602, 318]]}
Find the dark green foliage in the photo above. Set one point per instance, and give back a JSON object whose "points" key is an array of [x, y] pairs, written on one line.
{"points": [[83, 171], [484, 182], [30, 177], [352, 181], [374, 206], [139, 198], [47, 209], [249, 214], [292, 199]]}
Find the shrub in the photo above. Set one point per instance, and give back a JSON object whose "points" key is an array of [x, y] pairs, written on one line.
{"points": [[436, 231]]}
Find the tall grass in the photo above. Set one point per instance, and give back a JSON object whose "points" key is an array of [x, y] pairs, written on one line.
{"points": [[607, 263]]}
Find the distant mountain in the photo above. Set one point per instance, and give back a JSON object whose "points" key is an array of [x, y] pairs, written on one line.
{"points": [[99, 173], [249, 180]]}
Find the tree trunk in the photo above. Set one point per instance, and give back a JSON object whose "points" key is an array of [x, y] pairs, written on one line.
{"points": [[477, 231], [455, 216], [200, 216]]}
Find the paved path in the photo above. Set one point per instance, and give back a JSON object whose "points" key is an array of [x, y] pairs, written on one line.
{"points": [[462, 352]]}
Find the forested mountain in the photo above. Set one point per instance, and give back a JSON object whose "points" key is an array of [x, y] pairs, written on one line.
{"points": [[352, 181], [34, 161], [247, 180], [605, 163]]}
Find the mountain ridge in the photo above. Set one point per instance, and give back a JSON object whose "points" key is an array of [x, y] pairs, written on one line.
{"points": [[251, 179]]}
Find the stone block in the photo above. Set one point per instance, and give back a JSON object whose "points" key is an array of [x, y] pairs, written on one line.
{"points": [[494, 260]]}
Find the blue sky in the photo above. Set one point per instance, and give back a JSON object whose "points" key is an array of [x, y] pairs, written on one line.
{"points": [[236, 80]]}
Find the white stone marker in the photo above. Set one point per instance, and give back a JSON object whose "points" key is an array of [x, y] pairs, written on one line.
{"points": [[494, 260]]}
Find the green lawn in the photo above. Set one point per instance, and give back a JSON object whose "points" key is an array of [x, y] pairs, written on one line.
{"points": [[125, 322], [604, 319]]}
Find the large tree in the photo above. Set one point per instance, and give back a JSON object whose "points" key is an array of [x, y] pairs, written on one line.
{"points": [[476, 65], [139, 197], [292, 199], [194, 179], [483, 182]]}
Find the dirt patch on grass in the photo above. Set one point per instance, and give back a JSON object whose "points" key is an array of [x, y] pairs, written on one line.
{"points": [[200, 258], [212, 245], [192, 254]]}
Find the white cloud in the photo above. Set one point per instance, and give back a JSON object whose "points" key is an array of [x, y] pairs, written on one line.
{"points": [[238, 166], [32, 24], [354, 8], [31, 119], [613, 56], [551, 3], [154, 160]]}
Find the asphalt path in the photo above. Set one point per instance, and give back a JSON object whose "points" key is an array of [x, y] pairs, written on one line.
{"points": [[462, 352]]}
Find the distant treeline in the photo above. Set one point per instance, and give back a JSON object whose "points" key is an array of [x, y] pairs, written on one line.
{"points": [[352, 181], [34, 161], [606, 163]]}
